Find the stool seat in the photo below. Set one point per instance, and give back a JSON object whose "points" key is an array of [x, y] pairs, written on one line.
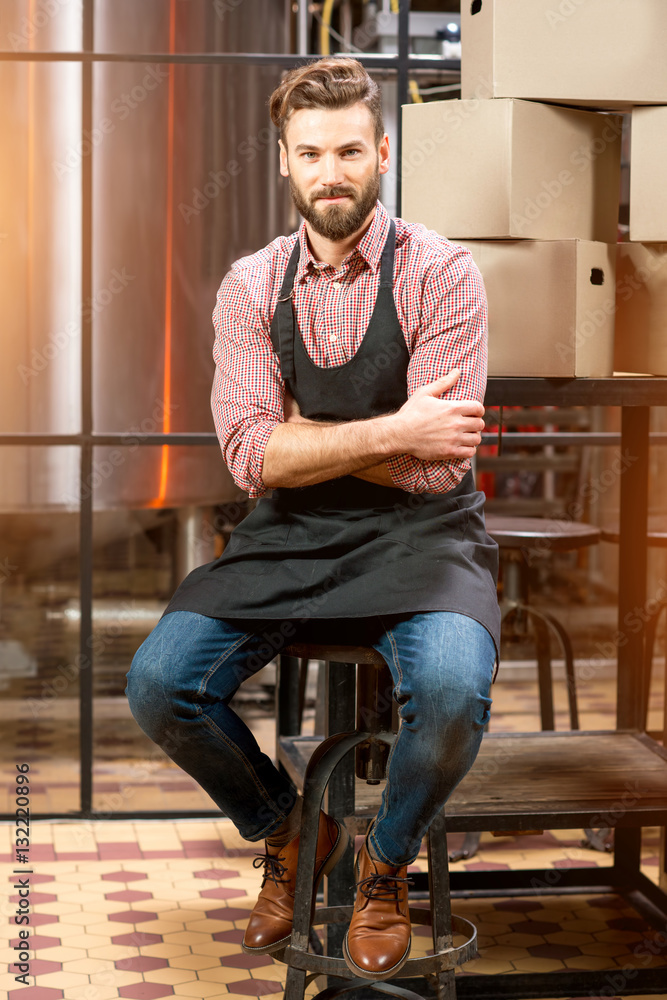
{"points": [[335, 654], [656, 536], [527, 532]]}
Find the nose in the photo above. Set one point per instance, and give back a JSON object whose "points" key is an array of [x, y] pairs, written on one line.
{"points": [[332, 172]]}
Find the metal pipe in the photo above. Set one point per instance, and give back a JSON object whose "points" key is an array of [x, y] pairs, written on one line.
{"points": [[194, 540], [302, 28], [110, 615]]}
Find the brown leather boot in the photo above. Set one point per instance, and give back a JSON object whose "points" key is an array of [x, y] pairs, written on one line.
{"points": [[270, 925], [378, 940]]}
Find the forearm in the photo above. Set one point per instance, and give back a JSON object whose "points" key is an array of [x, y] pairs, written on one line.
{"points": [[379, 474], [308, 452]]}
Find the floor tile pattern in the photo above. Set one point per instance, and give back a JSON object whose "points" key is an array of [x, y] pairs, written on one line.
{"points": [[157, 909], [105, 924]]}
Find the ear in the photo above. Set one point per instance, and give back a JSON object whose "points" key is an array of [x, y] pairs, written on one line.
{"points": [[284, 169], [383, 155]]}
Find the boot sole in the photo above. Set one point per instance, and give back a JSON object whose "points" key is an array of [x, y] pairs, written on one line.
{"points": [[330, 863], [364, 974]]}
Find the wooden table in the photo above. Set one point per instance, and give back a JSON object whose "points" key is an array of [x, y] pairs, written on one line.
{"points": [[544, 780]]}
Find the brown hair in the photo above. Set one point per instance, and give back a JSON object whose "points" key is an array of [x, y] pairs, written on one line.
{"points": [[327, 83]]}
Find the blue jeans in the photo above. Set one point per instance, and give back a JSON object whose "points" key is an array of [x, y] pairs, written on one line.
{"points": [[185, 674]]}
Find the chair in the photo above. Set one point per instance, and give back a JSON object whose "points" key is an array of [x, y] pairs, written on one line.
{"points": [[519, 539], [350, 668]]}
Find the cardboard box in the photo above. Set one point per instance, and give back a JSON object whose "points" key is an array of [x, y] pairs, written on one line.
{"points": [[594, 53], [511, 169], [648, 173], [551, 306], [641, 313]]}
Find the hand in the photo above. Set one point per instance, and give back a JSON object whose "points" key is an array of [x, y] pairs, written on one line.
{"points": [[434, 429]]}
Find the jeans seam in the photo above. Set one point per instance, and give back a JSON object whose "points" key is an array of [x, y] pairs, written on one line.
{"points": [[216, 729], [242, 757], [397, 664], [221, 659]]}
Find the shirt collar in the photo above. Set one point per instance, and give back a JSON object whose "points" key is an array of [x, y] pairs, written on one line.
{"points": [[369, 247]]}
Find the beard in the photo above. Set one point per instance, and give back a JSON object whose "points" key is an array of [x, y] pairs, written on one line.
{"points": [[337, 222]]}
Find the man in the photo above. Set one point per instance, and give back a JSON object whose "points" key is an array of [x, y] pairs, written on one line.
{"points": [[334, 349]]}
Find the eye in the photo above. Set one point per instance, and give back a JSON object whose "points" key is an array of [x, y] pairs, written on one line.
{"points": [[308, 154], [352, 152]]}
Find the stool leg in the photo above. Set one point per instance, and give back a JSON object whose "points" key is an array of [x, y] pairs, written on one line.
{"points": [[544, 676], [568, 656], [323, 762], [288, 717], [441, 910], [295, 983], [469, 847], [339, 795]]}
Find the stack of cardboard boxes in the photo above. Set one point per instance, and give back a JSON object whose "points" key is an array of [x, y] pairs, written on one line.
{"points": [[532, 188]]}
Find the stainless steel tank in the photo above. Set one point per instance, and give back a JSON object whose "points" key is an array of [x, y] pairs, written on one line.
{"points": [[185, 180]]}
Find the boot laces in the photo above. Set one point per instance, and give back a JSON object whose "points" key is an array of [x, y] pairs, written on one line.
{"points": [[382, 886], [273, 868]]}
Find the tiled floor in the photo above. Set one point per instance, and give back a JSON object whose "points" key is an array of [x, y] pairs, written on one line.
{"points": [[157, 909]]}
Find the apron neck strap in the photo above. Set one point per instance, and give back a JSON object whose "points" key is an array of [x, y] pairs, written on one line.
{"points": [[288, 280], [284, 320], [387, 260]]}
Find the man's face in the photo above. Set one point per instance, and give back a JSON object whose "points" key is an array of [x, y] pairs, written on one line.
{"points": [[333, 167]]}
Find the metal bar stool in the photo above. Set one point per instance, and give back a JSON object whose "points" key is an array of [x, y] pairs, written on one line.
{"points": [[374, 733], [518, 538]]}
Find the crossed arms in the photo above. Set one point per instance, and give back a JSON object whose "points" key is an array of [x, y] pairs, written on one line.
{"points": [[426, 445]]}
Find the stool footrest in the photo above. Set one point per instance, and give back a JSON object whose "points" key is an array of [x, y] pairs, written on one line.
{"points": [[450, 958]]}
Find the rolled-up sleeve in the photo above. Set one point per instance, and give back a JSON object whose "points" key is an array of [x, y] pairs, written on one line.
{"points": [[453, 333], [247, 398]]}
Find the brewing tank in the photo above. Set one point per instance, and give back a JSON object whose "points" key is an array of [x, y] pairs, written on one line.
{"points": [[185, 179]]}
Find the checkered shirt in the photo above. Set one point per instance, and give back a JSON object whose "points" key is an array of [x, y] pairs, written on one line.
{"points": [[441, 306]]}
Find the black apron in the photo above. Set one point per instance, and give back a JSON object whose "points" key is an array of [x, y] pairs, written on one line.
{"points": [[347, 548]]}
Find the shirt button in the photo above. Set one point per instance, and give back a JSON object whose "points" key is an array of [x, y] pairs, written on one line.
{"points": [[336, 284], [333, 337]]}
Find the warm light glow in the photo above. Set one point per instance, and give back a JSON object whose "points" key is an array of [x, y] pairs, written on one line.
{"points": [[30, 200], [158, 501]]}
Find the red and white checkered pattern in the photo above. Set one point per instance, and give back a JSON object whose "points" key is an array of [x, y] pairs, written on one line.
{"points": [[441, 305]]}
